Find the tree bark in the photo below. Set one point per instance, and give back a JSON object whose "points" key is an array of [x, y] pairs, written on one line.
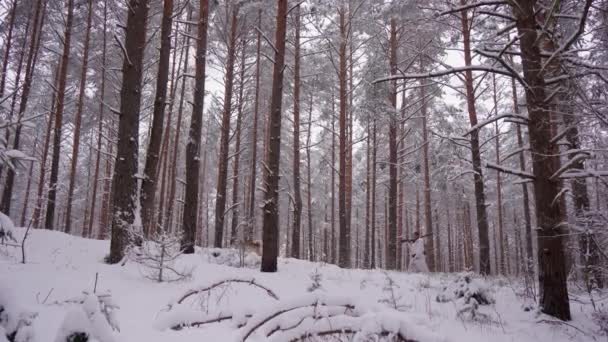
{"points": [[56, 154], [78, 119], [222, 174], [501, 248], [551, 258], [7, 47], [254, 137], [124, 184], [189, 219], [237, 151], [297, 205], [311, 256], [100, 121], [428, 220], [524, 187], [345, 242], [391, 247], [480, 197], [373, 195], [270, 232], [150, 178]]}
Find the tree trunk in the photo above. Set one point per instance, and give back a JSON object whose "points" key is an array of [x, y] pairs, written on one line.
{"points": [[189, 220], [428, 220], [7, 47], [551, 258], [366, 251], [168, 216], [373, 195], [254, 137], [237, 151], [100, 120], [391, 247], [78, 118], [297, 205], [150, 178], [332, 169], [501, 248], [480, 197], [222, 174], [344, 249], [308, 183], [524, 188], [124, 184], [270, 233], [52, 193]]}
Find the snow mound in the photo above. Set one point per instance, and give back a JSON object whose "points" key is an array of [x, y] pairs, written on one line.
{"points": [[15, 322], [231, 257], [467, 287]]}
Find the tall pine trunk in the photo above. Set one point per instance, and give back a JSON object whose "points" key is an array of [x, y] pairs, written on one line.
{"points": [[428, 219], [124, 183], [222, 173], [344, 259], [150, 179], [270, 233], [78, 119], [480, 196], [254, 137], [102, 91], [297, 205], [237, 150], [189, 218], [391, 246], [56, 154], [551, 257]]}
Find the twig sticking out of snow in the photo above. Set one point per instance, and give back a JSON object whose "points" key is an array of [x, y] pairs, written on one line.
{"points": [[207, 288], [179, 315]]}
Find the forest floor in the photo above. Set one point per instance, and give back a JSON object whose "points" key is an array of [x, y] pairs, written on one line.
{"points": [[60, 267]]}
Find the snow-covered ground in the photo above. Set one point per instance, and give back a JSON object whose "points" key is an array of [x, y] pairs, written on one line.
{"points": [[60, 267]]}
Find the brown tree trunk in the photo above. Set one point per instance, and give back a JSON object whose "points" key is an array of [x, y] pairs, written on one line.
{"points": [[309, 184], [501, 248], [168, 216], [366, 251], [344, 245], [524, 187], [334, 254], [480, 197], [254, 137], [99, 122], [7, 47], [297, 205], [150, 178], [237, 151], [222, 174], [56, 154], [45, 150], [551, 258], [270, 233], [124, 184], [428, 220], [194, 135], [78, 119], [373, 195], [391, 238]]}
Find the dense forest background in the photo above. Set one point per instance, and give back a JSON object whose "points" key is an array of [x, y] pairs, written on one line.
{"points": [[330, 130]]}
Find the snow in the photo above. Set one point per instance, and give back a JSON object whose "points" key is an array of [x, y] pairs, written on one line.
{"points": [[61, 267]]}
